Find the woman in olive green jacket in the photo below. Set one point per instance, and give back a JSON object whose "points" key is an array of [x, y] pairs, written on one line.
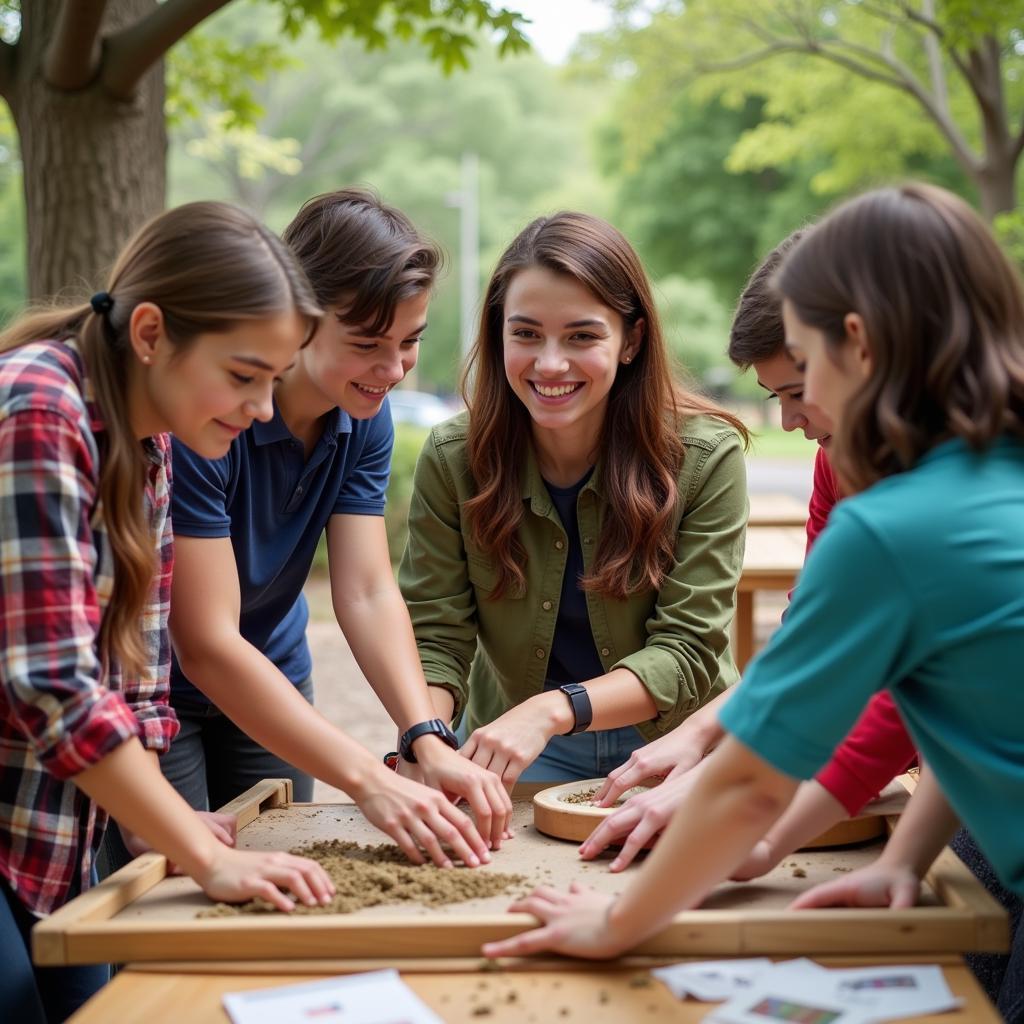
{"points": [[576, 536]]}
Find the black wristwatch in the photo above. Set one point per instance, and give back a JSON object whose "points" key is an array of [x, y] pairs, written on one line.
{"points": [[435, 727], [582, 709]]}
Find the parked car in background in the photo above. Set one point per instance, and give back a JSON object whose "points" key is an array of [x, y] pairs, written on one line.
{"points": [[419, 408]]}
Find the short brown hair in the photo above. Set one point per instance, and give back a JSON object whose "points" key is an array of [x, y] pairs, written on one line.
{"points": [[757, 332], [362, 256], [943, 310]]}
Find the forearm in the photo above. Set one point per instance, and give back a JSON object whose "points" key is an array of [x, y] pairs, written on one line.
{"points": [[443, 701], [924, 828], [380, 635], [128, 785], [735, 800], [265, 705], [813, 810]]}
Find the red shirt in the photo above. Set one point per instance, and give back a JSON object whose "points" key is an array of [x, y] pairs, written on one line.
{"points": [[878, 747]]}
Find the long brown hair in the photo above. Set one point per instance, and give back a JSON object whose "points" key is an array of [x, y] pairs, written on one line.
{"points": [[641, 452], [208, 266], [362, 255], [943, 310]]}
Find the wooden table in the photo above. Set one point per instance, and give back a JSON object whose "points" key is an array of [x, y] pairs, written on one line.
{"points": [[547, 993], [773, 559], [776, 510]]}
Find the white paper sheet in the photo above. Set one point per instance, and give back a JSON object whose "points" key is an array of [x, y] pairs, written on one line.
{"points": [[378, 997]]}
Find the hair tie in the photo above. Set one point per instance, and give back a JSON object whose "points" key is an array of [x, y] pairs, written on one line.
{"points": [[102, 303]]}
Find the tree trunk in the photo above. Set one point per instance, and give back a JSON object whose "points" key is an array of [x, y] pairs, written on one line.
{"points": [[94, 168], [997, 189]]}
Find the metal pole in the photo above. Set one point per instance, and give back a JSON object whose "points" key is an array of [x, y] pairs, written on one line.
{"points": [[469, 249]]}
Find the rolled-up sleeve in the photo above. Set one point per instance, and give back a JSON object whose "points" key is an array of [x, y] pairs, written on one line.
{"points": [[685, 658], [49, 607], [434, 579]]}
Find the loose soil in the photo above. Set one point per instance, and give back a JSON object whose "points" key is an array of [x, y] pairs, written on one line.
{"points": [[586, 796], [367, 876]]}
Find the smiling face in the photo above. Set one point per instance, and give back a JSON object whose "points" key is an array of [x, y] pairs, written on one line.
{"points": [[562, 350], [832, 373], [779, 376], [209, 391], [355, 370]]}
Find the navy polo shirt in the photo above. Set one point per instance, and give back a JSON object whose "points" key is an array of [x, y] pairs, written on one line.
{"points": [[274, 505]]}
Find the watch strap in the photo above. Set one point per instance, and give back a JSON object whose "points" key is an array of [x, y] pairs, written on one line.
{"points": [[435, 727], [582, 709]]}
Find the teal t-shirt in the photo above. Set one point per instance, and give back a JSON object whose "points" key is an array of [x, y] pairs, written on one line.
{"points": [[916, 585]]}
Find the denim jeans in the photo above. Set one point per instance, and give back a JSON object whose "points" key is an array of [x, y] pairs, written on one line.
{"points": [[1000, 975], [38, 995], [211, 760], [587, 755]]}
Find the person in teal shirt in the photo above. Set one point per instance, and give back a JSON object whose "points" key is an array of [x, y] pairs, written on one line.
{"points": [[909, 323]]}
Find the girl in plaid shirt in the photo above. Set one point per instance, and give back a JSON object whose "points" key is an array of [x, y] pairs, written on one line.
{"points": [[203, 310]]}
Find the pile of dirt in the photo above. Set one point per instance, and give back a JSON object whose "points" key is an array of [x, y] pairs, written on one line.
{"points": [[367, 876]]}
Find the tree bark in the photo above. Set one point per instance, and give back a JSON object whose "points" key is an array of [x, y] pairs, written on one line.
{"points": [[94, 167]]}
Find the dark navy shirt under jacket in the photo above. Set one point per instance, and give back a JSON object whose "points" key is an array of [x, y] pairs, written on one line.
{"points": [[274, 504], [574, 657]]}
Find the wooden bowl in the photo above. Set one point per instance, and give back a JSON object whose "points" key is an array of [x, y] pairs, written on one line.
{"points": [[553, 816]]}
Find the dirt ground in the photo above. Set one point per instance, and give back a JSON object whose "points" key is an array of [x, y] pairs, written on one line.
{"points": [[346, 699]]}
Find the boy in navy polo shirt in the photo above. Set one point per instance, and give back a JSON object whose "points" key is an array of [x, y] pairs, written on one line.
{"points": [[247, 526]]}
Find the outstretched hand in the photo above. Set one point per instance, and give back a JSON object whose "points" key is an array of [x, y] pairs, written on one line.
{"points": [[640, 820], [574, 923], [877, 885]]}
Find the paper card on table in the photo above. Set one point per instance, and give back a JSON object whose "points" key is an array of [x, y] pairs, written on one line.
{"points": [[888, 993], [768, 1005], [379, 997], [712, 980]]}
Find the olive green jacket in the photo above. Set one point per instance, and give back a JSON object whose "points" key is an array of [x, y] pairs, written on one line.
{"points": [[493, 654]]}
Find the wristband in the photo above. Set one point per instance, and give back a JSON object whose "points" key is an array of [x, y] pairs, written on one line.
{"points": [[435, 727], [582, 710]]}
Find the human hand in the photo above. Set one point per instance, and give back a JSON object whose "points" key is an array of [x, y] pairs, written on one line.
{"points": [[668, 756], [223, 826], [419, 818], [236, 875], [512, 742], [878, 885], [458, 778], [641, 819], [576, 923]]}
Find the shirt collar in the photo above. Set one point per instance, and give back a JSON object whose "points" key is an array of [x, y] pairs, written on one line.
{"points": [[338, 422], [534, 489]]}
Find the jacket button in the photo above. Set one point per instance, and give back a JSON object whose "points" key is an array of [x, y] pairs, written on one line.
{"points": [[559, 545], [539, 652], [605, 652], [547, 606]]}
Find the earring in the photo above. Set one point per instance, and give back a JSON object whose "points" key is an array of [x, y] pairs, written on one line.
{"points": [[627, 359], [145, 359]]}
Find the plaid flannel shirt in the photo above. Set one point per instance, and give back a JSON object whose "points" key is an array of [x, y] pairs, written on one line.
{"points": [[61, 709]]}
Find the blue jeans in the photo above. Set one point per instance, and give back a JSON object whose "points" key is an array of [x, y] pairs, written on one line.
{"points": [[1000, 975], [587, 755], [38, 995], [211, 760]]}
